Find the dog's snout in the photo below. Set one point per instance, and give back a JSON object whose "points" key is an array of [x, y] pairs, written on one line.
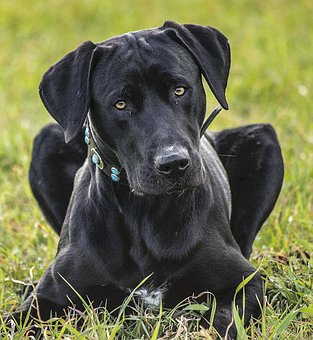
{"points": [[172, 163]]}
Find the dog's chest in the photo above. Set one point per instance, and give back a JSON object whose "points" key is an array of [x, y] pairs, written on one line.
{"points": [[159, 234], [151, 297]]}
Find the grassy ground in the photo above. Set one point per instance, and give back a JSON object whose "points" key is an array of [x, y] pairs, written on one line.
{"points": [[271, 81]]}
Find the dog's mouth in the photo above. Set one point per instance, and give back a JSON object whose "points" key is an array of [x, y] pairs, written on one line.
{"points": [[168, 192], [178, 188]]}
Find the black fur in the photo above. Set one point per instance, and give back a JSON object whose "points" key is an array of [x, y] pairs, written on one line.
{"points": [[181, 228]]}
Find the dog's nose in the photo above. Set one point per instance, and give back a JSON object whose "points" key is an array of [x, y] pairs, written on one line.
{"points": [[174, 164]]}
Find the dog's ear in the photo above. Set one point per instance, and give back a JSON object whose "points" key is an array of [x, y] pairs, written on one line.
{"points": [[210, 50], [65, 89]]}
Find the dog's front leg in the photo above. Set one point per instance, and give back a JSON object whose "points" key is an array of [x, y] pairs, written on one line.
{"points": [[36, 307], [48, 299], [220, 268], [221, 276], [57, 289], [246, 302]]}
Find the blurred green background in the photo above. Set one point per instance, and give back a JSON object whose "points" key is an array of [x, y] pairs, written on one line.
{"points": [[271, 80]]}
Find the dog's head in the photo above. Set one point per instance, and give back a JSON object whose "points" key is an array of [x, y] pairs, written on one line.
{"points": [[145, 97]]}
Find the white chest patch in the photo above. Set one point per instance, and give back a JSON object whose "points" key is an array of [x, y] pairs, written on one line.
{"points": [[152, 298]]}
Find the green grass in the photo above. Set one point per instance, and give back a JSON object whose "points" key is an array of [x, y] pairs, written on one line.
{"points": [[271, 81]]}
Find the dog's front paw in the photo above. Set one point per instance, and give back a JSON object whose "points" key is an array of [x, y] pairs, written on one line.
{"points": [[19, 323], [18, 317], [223, 323]]}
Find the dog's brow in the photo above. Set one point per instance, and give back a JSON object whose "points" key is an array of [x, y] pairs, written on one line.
{"points": [[174, 77], [170, 77]]}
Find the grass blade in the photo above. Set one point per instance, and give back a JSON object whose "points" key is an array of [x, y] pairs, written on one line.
{"points": [[157, 328], [284, 323]]}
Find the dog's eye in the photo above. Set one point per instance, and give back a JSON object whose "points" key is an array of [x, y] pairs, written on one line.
{"points": [[121, 105], [179, 91]]}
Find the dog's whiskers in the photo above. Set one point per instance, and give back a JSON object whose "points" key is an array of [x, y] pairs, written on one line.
{"points": [[182, 192], [221, 155]]}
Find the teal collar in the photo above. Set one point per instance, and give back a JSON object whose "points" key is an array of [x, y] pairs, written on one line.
{"points": [[111, 169]]}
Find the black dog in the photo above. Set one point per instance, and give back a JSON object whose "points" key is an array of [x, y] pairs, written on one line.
{"points": [[150, 197]]}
